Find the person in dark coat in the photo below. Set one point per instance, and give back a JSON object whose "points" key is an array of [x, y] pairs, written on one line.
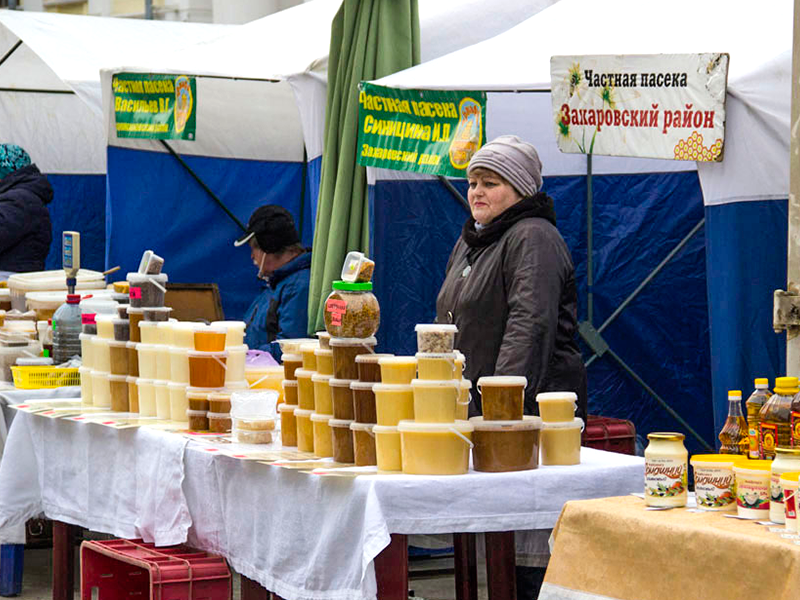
{"points": [[25, 230]]}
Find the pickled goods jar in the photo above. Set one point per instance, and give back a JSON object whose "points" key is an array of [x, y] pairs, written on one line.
{"points": [[352, 310], [752, 488], [666, 470], [775, 417], [786, 460]]}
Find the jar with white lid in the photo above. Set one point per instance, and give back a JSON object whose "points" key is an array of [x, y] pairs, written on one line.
{"points": [[786, 460], [666, 470]]}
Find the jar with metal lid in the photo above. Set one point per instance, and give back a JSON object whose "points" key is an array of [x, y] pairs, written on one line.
{"points": [[352, 310], [786, 460], [665, 470]]}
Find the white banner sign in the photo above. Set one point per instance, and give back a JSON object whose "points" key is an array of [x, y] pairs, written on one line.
{"points": [[656, 106]]}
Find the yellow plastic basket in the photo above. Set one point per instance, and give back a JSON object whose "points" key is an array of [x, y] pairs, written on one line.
{"points": [[35, 378]]}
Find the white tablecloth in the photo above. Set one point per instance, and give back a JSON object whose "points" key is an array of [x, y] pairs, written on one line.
{"points": [[303, 536]]}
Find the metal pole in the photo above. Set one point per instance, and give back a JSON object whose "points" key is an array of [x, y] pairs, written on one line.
{"points": [[12, 4], [793, 249], [148, 9], [589, 262]]}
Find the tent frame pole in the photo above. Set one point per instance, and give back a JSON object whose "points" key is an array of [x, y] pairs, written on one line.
{"points": [[589, 236], [456, 194], [793, 241]]}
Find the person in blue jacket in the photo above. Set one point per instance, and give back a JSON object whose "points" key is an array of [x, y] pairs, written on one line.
{"points": [[25, 229], [280, 311]]}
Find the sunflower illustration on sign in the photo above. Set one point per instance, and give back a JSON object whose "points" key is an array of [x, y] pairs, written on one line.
{"points": [[469, 133], [184, 102]]}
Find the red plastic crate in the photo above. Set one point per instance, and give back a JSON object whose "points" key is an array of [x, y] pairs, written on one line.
{"points": [[120, 569], [612, 435]]}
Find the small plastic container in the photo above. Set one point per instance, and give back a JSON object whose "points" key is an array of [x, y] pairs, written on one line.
{"points": [[714, 481], [164, 332], [219, 401], [323, 403], [237, 355], [219, 422], [244, 436], [435, 401], [437, 366], [254, 424], [156, 314], [464, 398], [557, 407], [198, 420], [147, 397], [502, 446], [305, 389], [502, 397], [436, 448], [324, 339], [179, 365], [561, 443], [291, 362], [364, 409], [345, 351], [133, 393], [135, 316], [148, 356], [323, 440], [86, 385], [265, 378], [207, 369], [352, 310], [288, 425], [122, 312], [150, 263], [752, 488], [178, 403], [436, 338], [342, 399], [183, 334], [324, 361], [305, 430], [197, 398], [133, 359], [118, 357], [101, 355], [147, 290], [789, 485], [148, 331], [235, 332], [289, 391], [210, 339], [357, 268], [118, 385], [163, 410], [105, 326], [122, 329], [292, 345], [399, 370], [342, 439], [101, 389], [393, 403], [309, 358], [368, 367], [388, 451], [87, 347], [364, 453]]}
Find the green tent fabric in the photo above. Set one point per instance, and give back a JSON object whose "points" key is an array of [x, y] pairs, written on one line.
{"points": [[369, 39]]}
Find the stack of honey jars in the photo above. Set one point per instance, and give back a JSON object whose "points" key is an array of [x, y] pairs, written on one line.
{"points": [[95, 370], [292, 359], [561, 430], [209, 405]]}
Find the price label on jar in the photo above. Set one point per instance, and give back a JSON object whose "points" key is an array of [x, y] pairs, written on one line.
{"points": [[135, 293], [88, 319], [337, 310]]}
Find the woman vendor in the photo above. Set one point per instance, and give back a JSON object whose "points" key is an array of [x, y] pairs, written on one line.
{"points": [[510, 283]]}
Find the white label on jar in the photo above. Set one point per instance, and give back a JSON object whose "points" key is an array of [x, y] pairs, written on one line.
{"points": [[664, 477], [714, 487], [752, 493], [775, 491]]}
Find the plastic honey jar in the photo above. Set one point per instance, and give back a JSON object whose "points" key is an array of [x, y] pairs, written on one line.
{"points": [[666, 469], [305, 389], [105, 327], [207, 369], [101, 355], [342, 399], [502, 446], [235, 366], [197, 419], [363, 444], [219, 422], [210, 339], [133, 360], [561, 443], [178, 404], [714, 481], [323, 403], [133, 393], [86, 385], [786, 460], [435, 338], [435, 401], [288, 425], [393, 403], [163, 363], [464, 398], [118, 387], [368, 368], [219, 401], [135, 316], [149, 332], [398, 370], [101, 390], [148, 358], [324, 339], [388, 452], [305, 430], [289, 391], [323, 442], [789, 487], [752, 488], [163, 410], [309, 358], [183, 335], [342, 439], [234, 332], [345, 351], [198, 398], [291, 362], [147, 397], [179, 365], [435, 448], [324, 361], [557, 407], [86, 349], [502, 397], [437, 366], [364, 402]]}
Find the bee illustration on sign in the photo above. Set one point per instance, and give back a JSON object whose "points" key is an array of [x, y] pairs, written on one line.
{"points": [[184, 102], [469, 132]]}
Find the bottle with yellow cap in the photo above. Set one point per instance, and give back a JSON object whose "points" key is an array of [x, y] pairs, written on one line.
{"points": [[754, 403], [775, 429], [734, 436]]}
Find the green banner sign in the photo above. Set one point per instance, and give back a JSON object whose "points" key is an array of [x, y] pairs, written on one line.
{"points": [[155, 106], [426, 131]]}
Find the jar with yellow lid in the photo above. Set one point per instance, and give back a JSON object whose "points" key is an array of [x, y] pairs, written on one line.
{"points": [[752, 488], [774, 427], [786, 460], [665, 470]]}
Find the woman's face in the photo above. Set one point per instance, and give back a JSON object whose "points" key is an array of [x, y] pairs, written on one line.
{"points": [[489, 195]]}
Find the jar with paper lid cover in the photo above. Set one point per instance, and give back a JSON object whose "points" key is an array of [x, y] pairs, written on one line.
{"points": [[665, 470]]}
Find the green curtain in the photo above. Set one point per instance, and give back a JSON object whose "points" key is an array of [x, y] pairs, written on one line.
{"points": [[369, 39]]}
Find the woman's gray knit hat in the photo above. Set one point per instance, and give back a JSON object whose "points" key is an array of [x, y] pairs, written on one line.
{"points": [[514, 160]]}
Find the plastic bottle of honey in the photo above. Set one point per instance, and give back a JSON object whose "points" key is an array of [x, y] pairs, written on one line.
{"points": [[775, 426], [734, 436], [754, 403]]}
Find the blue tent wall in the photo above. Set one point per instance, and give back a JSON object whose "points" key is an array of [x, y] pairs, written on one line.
{"points": [[638, 219], [746, 246], [153, 203], [78, 204], [313, 174]]}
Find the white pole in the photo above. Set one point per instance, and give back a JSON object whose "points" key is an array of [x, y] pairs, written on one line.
{"points": [[793, 256]]}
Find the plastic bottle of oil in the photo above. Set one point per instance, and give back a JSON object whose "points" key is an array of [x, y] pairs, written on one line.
{"points": [[754, 403], [775, 428], [734, 436]]}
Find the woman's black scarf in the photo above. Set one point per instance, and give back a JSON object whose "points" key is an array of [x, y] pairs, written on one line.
{"points": [[539, 205]]}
